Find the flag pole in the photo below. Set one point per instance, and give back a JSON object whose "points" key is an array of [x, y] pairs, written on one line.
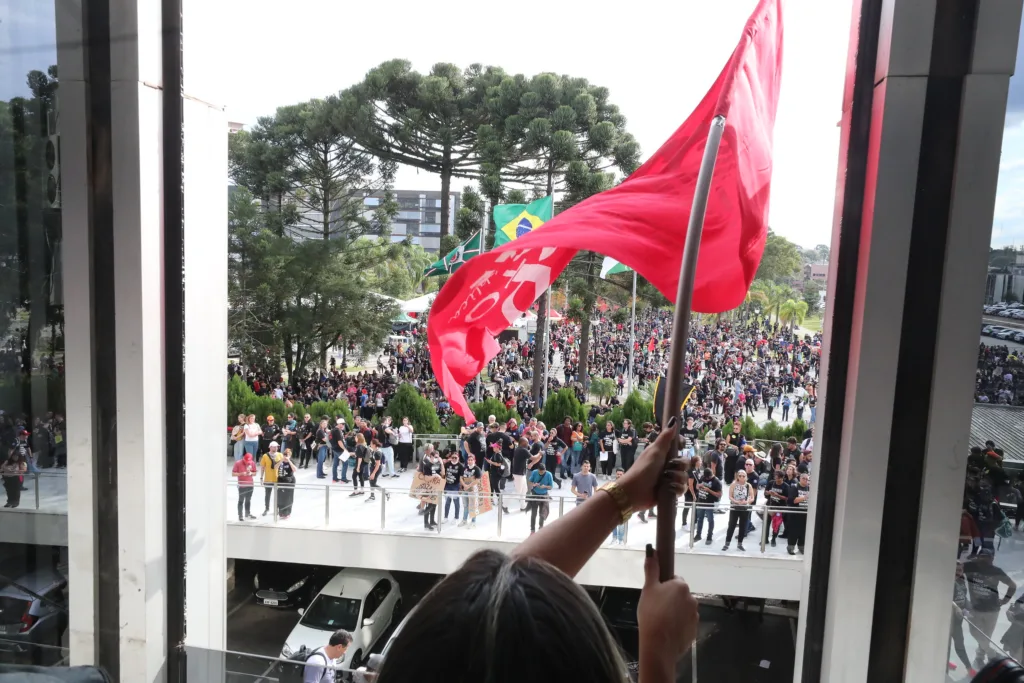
{"points": [[547, 320], [483, 248], [666, 533], [632, 339]]}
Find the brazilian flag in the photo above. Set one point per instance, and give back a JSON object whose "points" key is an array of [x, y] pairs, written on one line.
{"points": [[455, 258], [515, 220]]}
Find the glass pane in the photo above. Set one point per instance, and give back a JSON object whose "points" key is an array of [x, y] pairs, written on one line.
{"points": [[987, 608], [33, 436]]}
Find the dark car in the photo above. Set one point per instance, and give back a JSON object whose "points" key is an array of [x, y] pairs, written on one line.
{"points": [[280, 584], [33, 612]]}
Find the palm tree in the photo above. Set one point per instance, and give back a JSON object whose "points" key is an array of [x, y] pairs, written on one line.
{"points": [[793, 313]]}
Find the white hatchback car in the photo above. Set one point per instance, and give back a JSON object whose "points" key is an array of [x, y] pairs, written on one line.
{"points": [[363, 602]]}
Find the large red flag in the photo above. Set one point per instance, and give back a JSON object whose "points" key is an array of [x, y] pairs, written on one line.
{"points": [[641, 222]]}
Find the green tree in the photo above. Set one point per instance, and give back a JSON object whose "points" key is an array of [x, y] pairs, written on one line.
{"points": [[572, 132], [812, 296], [780, 261], [793, 313], [560, 405], [822, 252], [428, 121], [408, 402], [30, 234]]}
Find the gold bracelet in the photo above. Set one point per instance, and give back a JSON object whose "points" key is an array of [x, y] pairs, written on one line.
{"points": [[620, 498]]}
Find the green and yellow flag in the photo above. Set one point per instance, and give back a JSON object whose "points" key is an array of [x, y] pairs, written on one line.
{"points": [[515, 220]]}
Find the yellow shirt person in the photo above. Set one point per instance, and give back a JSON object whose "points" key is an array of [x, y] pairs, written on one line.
{"points": [[269, 465]]}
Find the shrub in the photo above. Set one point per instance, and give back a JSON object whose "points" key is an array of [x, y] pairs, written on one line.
{"points": [[239, 398], [797, 429], [748, 428], [638, 409], [773, 431], [560, 405], [483, 410], [615, 415], [407, 402]]}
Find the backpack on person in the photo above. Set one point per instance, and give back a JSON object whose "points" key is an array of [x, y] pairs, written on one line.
{"points": [[293, 669], [393, 436]]}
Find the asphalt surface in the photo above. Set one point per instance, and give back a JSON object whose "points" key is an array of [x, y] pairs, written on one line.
{"points": [[261, 631], [767, 655]]}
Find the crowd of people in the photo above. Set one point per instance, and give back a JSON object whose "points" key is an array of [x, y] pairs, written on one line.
{"points": [[999, 377]]}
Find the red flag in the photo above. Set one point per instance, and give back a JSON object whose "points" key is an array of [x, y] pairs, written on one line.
{"points": [[641, 222]]}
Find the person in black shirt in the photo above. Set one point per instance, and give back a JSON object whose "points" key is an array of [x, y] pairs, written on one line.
{"points": [[494, 460], [271, 433], [707, 490], [696, 468], [362, 454], [607, 449], [473, 444], [796, 522], [776, 495], [453, 470], [627, 444], [323, 446], [375, 467], [337, 450], [520, 458], [471, 486], [554, 450], [536, 452], [305, 434], [690, 436]]}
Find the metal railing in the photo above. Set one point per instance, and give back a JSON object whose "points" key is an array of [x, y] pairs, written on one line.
{"points": [[41, 491], [498, 515]]}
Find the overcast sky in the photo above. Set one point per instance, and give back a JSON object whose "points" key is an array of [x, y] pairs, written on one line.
{"points": [[657, 58]]}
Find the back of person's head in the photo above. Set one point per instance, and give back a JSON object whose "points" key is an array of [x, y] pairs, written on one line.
{"points": [[477, 623]]}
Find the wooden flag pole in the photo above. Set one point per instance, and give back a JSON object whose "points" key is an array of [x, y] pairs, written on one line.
{"points": [[666, 533]]}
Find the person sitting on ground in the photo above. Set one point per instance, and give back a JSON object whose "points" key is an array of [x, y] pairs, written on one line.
{"points": [[463, 626]]}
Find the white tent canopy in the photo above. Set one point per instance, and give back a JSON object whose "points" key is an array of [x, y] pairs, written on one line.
{"points": [[420, 304]]}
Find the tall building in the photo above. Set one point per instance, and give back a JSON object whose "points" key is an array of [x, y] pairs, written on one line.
{"points": [[419, 216]]}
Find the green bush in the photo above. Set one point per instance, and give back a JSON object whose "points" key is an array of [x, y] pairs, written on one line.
{"points": [[331, 409], [560, 405], [772, 431], [797, 429], [407, 402], [483, 410], [239, 398], [616, 415], [637, 409], [748, 428]]}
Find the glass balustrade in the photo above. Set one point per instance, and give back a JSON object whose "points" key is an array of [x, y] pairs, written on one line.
{"points": [[394, 508]]}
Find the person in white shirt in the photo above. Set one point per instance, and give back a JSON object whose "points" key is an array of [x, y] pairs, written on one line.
{"points": [[317, 669], [252, 433], [404, 447]]}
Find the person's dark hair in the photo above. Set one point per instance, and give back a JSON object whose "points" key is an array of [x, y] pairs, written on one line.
{"points": [[708, 473], [340, 637], [465, 627], [791, 440]]}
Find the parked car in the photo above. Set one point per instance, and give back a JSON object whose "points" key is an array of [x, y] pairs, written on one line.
{"points": [[33, 611], [1005, 334], [1018, 337], [986, 329], [364, 602], [281, 584]]}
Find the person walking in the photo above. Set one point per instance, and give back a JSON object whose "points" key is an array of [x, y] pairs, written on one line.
{"points": [[541, 483], [317, 668], [376, 468], [243, 471], [741, 495], [452, 483], [358, 472], [584, 484]]}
